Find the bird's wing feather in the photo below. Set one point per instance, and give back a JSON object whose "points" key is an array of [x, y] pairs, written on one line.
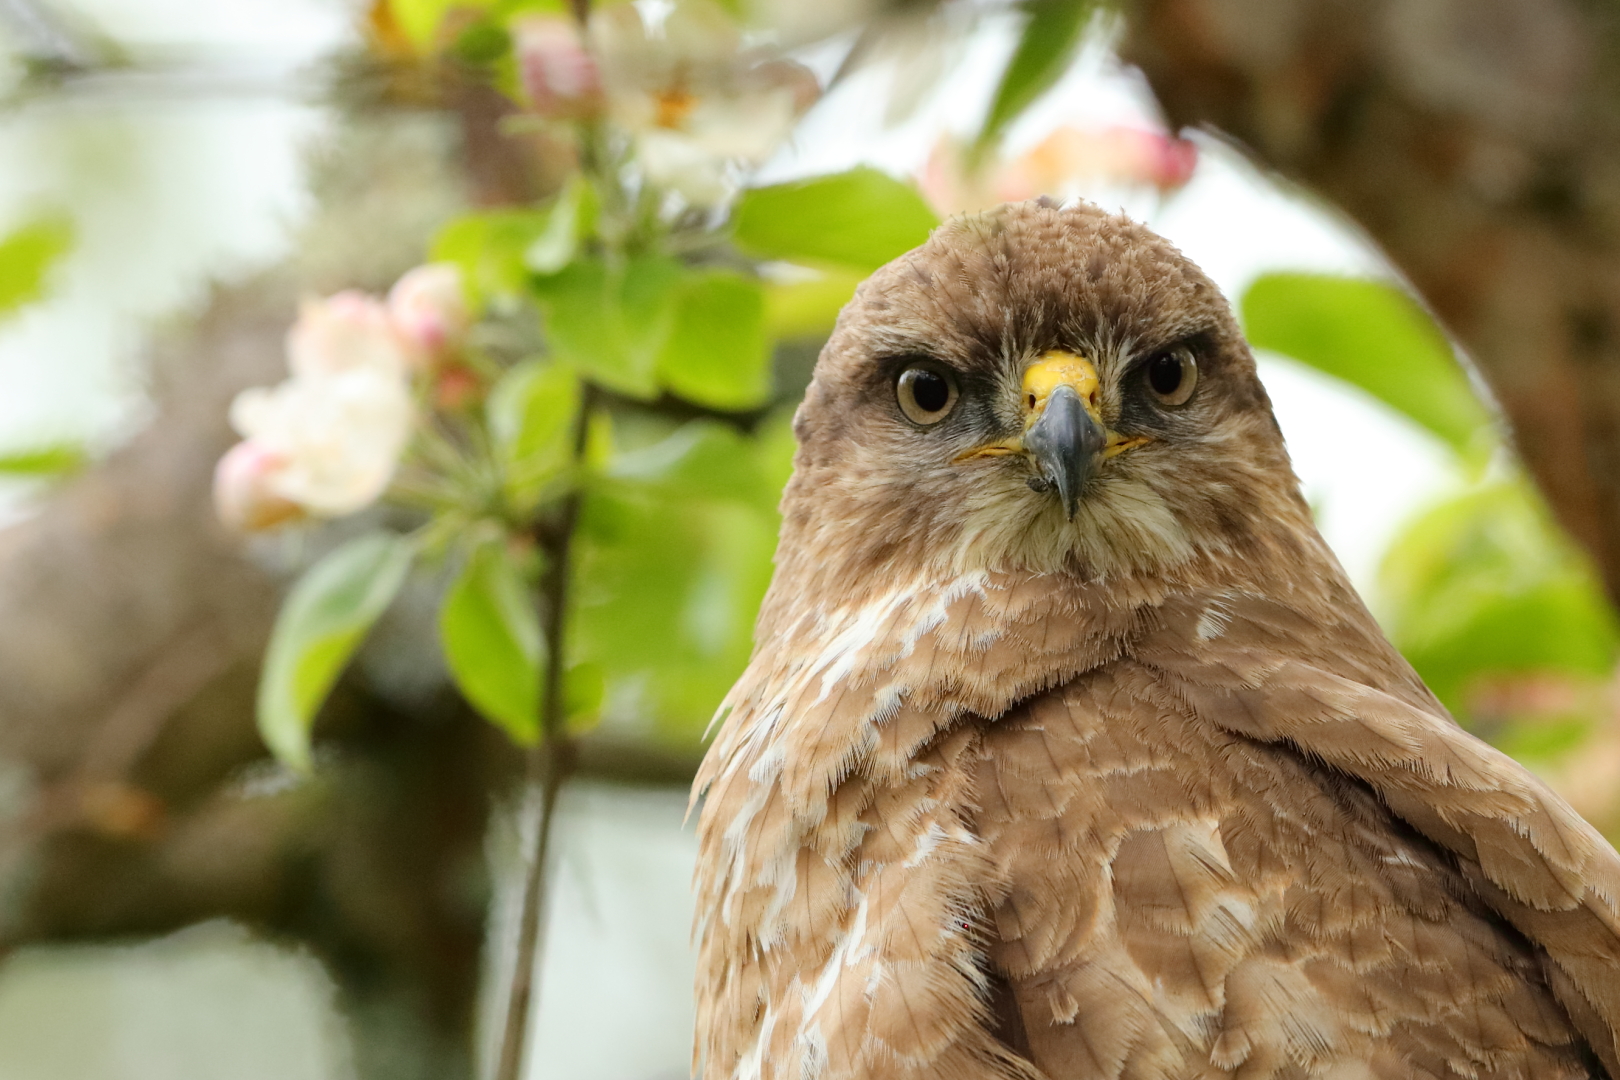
{"points": [[1181, 897], [1524, 849]]}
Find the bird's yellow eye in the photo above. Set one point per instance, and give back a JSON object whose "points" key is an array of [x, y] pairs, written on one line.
{"points": [[1172, 375], [927, 393]]}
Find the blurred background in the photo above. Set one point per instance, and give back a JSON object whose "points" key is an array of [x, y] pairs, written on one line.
{"points": [[1412, 205]]}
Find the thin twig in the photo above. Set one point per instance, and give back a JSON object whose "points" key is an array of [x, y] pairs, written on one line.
{"points": [[550, 763]]}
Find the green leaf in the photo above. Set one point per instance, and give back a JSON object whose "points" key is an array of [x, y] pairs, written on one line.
{"points": [[45, 461], [1372, 335], [492, 641], [717, 353], [858, 219], [26, 257], [703, 459], [321, 624], [1485, 584], [419, 20], [585, 686], [482, 45], [570, 217], [801, 309], [1045, 49], [667, 590], [611, 323], [531, 414], [491, 249]]}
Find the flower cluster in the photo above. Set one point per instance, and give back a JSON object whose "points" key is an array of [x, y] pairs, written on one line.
{"points": [[1061, 165], [327, 440], [695, 102]]}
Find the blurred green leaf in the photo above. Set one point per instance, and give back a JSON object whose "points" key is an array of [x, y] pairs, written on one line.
{"points": [[322, 622], [569, 218], [717, 353], [1370, 334], [44, 461], [611, 323], [777, 447], [667, 592], [491, 249], [531, 418], [702, 459], [419, 20], [1046, 46], [675, 555], [26, 257], [482, 44], [800, 309], [492, 641], [586, 686], [858, 219], [507, 9], [1485, 584]]}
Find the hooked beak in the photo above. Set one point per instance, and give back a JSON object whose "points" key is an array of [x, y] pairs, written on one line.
{"points": [[1066, 443], [1064, 435]]}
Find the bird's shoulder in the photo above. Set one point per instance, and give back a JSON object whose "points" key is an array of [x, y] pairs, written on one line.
{"points": [[1175, 894], [1254, 753]]}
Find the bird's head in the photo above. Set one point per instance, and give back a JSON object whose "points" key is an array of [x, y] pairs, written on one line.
{"points": [[1042, 389]]}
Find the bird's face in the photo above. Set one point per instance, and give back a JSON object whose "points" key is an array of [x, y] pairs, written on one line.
{"points": [[1042, 389]]}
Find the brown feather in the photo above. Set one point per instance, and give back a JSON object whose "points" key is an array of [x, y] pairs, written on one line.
{"points": [[1142, 794]]}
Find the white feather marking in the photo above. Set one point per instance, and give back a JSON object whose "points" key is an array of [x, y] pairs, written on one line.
{"points": [[1216, 618], [749, 1065], [926, 843]]}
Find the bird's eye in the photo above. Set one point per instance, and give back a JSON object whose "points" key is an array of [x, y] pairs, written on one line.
{"points": [[927, 393], [1172, 375]]}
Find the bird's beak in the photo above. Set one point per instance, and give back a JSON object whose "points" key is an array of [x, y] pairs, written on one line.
{"points": [[1064, 434]]}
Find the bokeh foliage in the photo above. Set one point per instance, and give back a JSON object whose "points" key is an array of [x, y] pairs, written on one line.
{"points": [[1505, 619]]}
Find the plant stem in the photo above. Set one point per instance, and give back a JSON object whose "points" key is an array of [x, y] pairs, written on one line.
{"points": [[550, 762]]}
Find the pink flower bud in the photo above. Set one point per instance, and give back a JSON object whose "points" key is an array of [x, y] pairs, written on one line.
{"points": [[428, 308], [244, 496], [559, 76], [1172, 163], [347, 332]]}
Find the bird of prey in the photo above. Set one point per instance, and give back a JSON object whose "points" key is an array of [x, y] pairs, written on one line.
{"points": [[1067, 750]]}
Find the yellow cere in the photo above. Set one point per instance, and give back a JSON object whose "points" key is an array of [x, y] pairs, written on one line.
{"points": [[1054, 369]]}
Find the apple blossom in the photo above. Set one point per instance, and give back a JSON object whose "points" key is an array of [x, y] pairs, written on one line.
{"points": [[559, 76], [694, 100], [1061, 165], [428, 309], [346, 332], [331, 441], [243, 495]]}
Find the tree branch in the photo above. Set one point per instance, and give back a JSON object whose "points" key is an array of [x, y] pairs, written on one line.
{"points": [[551, 762]]}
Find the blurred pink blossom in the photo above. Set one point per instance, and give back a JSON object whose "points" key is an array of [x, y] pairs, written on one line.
{"points": [[346, 332], [558, 74], [243, 494], [428, 308], [694, 99], [327, 440], [332, 441], [1062, 165]]}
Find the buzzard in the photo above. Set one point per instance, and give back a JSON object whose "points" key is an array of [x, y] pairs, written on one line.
{"points": [[1067, 750]]}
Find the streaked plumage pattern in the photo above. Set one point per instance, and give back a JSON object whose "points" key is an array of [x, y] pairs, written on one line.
{"points": [[1144, 793]]}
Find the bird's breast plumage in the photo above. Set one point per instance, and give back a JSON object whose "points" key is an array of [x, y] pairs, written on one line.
{"points": [[1163, 823]]}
